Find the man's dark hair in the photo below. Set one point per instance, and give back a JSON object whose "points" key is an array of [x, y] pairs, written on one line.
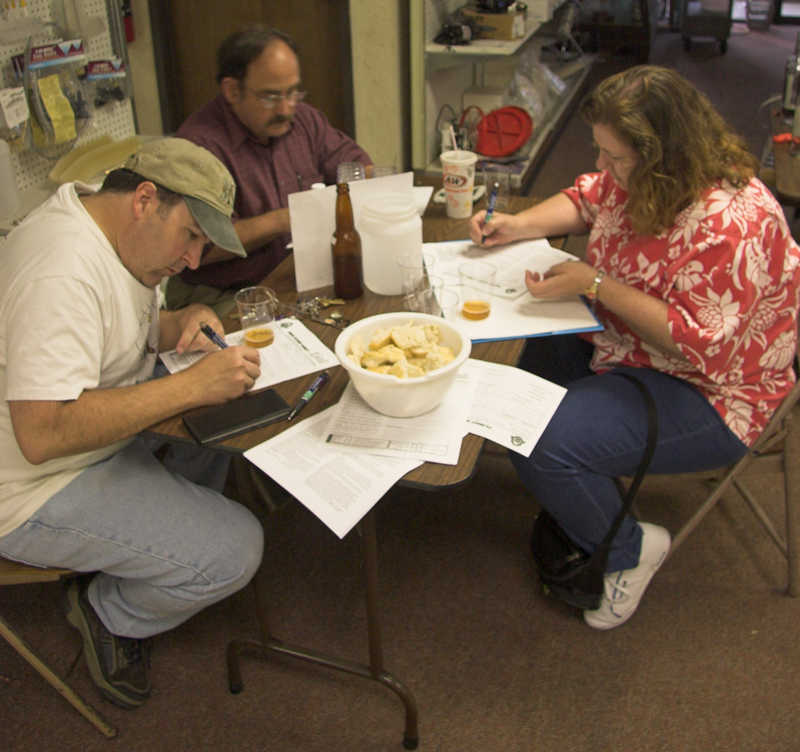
{"points": [[127, 181], [242, 47]]}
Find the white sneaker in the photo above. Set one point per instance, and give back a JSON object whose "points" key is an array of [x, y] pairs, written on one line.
{"points": [[624, 589]]}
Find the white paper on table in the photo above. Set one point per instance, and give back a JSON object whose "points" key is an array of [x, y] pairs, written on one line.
{"points": [[338, 487], [515, 312], [312, 216], [511, 407], [296, 351], [434, 437]]}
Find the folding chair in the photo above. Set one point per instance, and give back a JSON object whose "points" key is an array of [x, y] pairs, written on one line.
{"points": [[13, 573], [776, 450]]}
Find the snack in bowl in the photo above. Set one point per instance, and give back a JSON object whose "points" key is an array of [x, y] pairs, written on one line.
{"points": [[370, 348], [405, 351], [259, 337]]}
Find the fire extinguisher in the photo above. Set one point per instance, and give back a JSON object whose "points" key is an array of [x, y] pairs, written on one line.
{"points": [[127, 19]]}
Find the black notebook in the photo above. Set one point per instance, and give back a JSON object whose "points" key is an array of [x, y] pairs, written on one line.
{"points": [[210, 424]]}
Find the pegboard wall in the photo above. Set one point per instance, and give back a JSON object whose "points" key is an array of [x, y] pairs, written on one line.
{"points": [[115, 120]]}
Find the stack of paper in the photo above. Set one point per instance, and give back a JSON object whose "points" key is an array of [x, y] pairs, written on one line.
{"points": [[340, 462]]}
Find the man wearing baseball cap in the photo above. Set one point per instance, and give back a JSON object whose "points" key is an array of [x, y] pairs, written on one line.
{"points": [[79, 488]]}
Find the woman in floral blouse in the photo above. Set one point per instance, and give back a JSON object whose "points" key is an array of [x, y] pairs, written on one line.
{"points": [[695, 278]]}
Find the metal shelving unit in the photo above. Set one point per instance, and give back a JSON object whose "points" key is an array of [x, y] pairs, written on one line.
{"points": [[439, 74]]}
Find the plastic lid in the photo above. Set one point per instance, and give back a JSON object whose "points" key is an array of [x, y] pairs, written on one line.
{"points": [[503, 131]]}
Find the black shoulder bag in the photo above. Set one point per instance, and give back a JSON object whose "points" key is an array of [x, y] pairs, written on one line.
{"points": [[566, 571]]}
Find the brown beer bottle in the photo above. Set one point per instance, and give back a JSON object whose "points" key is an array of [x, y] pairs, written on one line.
{"points": [[346, 248]]}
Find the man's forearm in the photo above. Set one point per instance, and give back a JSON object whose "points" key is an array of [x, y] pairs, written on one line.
{"points": [[99, 417]]}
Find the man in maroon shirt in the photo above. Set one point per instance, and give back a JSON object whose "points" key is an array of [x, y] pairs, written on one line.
{"points": [[273, 144]]}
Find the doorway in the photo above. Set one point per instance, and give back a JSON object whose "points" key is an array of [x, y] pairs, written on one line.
{"points": [[186, 34]]}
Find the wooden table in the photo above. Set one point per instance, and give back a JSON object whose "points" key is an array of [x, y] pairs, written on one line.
{"points": [[429, 476]]}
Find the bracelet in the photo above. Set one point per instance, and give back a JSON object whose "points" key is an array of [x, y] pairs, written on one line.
{"points": [[591, 291]]}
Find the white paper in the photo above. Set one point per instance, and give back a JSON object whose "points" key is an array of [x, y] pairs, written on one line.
{"points": [[515, 312], [338, 487], [434, 437], [296, 351], [313, 221], [511, 407]]}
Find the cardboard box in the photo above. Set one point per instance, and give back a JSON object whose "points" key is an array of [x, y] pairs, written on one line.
{"points": [[504, 26]]}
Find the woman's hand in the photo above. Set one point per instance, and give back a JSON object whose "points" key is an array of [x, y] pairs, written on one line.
{"points": [[501, 228], [562, 280]]}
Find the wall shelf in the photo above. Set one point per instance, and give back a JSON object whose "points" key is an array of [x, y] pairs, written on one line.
{"points": [[440, 74]]}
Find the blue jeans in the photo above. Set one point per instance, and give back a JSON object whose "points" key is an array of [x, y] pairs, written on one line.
{"points": [[599, 432], [164, 546]]}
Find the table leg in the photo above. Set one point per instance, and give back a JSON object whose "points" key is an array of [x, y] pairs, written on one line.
{"points": [[375, 670]]}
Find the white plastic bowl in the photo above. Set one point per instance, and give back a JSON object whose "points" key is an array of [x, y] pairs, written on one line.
{"points": [[403, 398]]}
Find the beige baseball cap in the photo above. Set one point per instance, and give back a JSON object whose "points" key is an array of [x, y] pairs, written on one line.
{"points": [[204, 182]]}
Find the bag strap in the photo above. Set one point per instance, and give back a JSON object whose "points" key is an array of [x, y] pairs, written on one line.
{"points": [[644, 463]]}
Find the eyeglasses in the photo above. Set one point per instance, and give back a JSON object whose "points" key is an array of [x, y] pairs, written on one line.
{"points": [[271, 100]]}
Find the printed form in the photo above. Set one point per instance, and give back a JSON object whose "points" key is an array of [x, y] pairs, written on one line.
{"points": [[296, 351], [340, 462], [511, 407], [339, 487], [433, 437]]}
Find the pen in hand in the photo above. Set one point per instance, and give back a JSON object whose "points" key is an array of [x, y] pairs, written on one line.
{"points": [[213, 336], [318, 383], [490, 209]]}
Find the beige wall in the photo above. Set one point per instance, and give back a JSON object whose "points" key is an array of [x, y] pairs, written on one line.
{"points": [[379, 38], [143, 73]]}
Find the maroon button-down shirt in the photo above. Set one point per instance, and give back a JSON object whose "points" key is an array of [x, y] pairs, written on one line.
{"points": [[265, 175]]}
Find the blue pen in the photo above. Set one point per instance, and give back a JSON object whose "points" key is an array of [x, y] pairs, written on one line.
{"points": [[490, 209], [309, 393], [213, 336]]}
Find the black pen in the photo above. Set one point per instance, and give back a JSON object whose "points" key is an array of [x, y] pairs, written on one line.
{"points": [[490, 209], [213, 336], [309, 393]]}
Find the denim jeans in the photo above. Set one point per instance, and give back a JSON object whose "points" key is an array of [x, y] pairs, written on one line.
{"points": [[599, 432], [164, 546]]}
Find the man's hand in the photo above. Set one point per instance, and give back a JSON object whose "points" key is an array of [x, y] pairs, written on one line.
{"points": [[226, 374], [191, 337], [180, 330]]}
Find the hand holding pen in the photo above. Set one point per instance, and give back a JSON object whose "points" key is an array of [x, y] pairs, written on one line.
{"points": [[316, 385], [490, 208], [213, 336]]}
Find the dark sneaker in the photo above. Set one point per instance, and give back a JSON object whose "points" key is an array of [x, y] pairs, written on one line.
{"points": [[118, 665]]}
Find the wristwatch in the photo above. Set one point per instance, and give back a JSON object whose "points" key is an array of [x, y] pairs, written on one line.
{"points": [[591, 291]]}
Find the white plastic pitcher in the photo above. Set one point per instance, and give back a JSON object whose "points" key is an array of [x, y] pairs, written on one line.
{"points": [[390, 227]]}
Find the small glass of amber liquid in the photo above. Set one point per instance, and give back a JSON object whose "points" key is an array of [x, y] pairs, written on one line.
{"points": [[257, 307], [477, 285]]}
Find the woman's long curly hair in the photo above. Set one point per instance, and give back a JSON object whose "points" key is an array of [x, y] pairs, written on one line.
{"points": [[682, 142]]}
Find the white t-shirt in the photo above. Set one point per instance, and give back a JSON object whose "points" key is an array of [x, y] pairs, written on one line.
{"points": [[72, 317]]}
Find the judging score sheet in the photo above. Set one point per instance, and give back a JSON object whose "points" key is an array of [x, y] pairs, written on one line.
{"points": [[340, 462], [296, 351], [339, 487]]}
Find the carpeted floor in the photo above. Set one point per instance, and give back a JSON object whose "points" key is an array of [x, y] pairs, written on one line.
{"points": [[709, 663]]}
